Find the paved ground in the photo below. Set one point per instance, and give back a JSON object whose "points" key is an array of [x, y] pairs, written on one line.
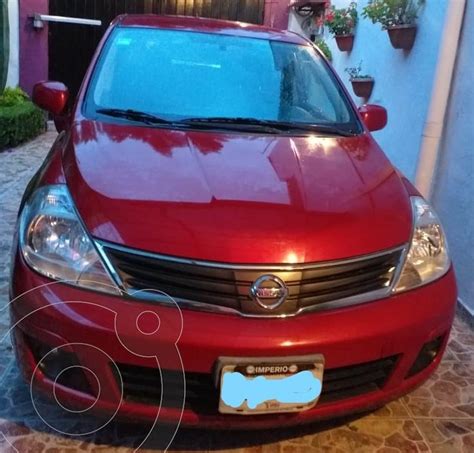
{"points": [[437, 417]]}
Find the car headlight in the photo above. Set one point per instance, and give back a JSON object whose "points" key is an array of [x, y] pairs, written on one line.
{"points": [[428, 257], [54, 242]]}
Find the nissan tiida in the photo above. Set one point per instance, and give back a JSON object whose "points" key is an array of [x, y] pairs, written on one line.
{"points": [[216, 203]]}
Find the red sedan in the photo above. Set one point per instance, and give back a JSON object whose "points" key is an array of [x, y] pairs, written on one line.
{"points": [[216, 233]]}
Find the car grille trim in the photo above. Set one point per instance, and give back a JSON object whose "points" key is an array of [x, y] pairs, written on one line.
{"points": [[224, 288]]}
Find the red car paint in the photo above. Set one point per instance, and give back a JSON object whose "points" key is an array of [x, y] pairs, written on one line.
{"points": [[345, 336], [231, 198], [51, 96], [279, 206]]}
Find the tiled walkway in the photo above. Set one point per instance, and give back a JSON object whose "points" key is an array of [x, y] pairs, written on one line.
{"points": [[437, 417]]}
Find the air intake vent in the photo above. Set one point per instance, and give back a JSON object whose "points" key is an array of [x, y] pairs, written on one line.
{"points": [[142, 385]]}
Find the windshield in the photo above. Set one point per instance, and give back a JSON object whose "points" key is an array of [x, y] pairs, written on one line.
{"points": [[181, 75]]}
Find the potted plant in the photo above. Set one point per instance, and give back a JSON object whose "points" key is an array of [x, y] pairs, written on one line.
{"points": [[361, 84], [398, 17], [324, 48], [341, 23]]}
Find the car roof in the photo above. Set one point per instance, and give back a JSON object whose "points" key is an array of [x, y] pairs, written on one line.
{"points": [[199, 24]]}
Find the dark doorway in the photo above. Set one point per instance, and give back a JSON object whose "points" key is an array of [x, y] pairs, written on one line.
{"points": [[71, 46]]}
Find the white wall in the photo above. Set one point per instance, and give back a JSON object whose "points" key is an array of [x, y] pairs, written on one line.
{"points": [[13, 64], [294, 24], [403, 80], [454, 186]]}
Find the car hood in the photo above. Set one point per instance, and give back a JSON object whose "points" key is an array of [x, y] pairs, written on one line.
{"points": [[238, 198]]}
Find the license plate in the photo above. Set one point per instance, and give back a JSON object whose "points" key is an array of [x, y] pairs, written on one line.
{"points": [[269, 385]]}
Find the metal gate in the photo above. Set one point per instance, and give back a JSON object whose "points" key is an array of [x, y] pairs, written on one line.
{"points": [[71, 46]]}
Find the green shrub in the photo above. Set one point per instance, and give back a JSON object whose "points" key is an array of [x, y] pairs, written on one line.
{"points": [[12, 96], [324, 48], [19, 123]]}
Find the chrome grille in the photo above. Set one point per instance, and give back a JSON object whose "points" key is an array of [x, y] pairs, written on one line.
{"points": [[223, 287]]}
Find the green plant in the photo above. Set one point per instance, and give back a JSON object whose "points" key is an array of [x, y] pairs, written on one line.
{"points": [[12, 96], [355, 72], [389, 13], [4, 44], [341, 21], [324, 48], [20, 119]]}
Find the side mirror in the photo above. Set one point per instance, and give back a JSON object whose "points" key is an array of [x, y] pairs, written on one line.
{"points": [[51, 96], [374, 116]]}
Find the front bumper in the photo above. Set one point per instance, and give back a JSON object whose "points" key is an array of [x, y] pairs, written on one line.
{"points": [[58, 315]]}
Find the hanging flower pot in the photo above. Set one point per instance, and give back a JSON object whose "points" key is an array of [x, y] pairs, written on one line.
{"points": [[345, 42], [398, 17], [341, 23], [363, 86], [402, 36]]}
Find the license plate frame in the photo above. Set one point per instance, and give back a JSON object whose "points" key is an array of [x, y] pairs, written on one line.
{"points": [[272, 369]]}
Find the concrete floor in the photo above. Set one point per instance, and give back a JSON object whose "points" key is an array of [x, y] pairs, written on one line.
{"points": [[438, 417]]}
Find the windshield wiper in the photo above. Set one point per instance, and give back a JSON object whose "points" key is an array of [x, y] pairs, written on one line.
{"points": [[319, 128], [234, 123], [134, 115], [251, 124], [274, 125]]}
